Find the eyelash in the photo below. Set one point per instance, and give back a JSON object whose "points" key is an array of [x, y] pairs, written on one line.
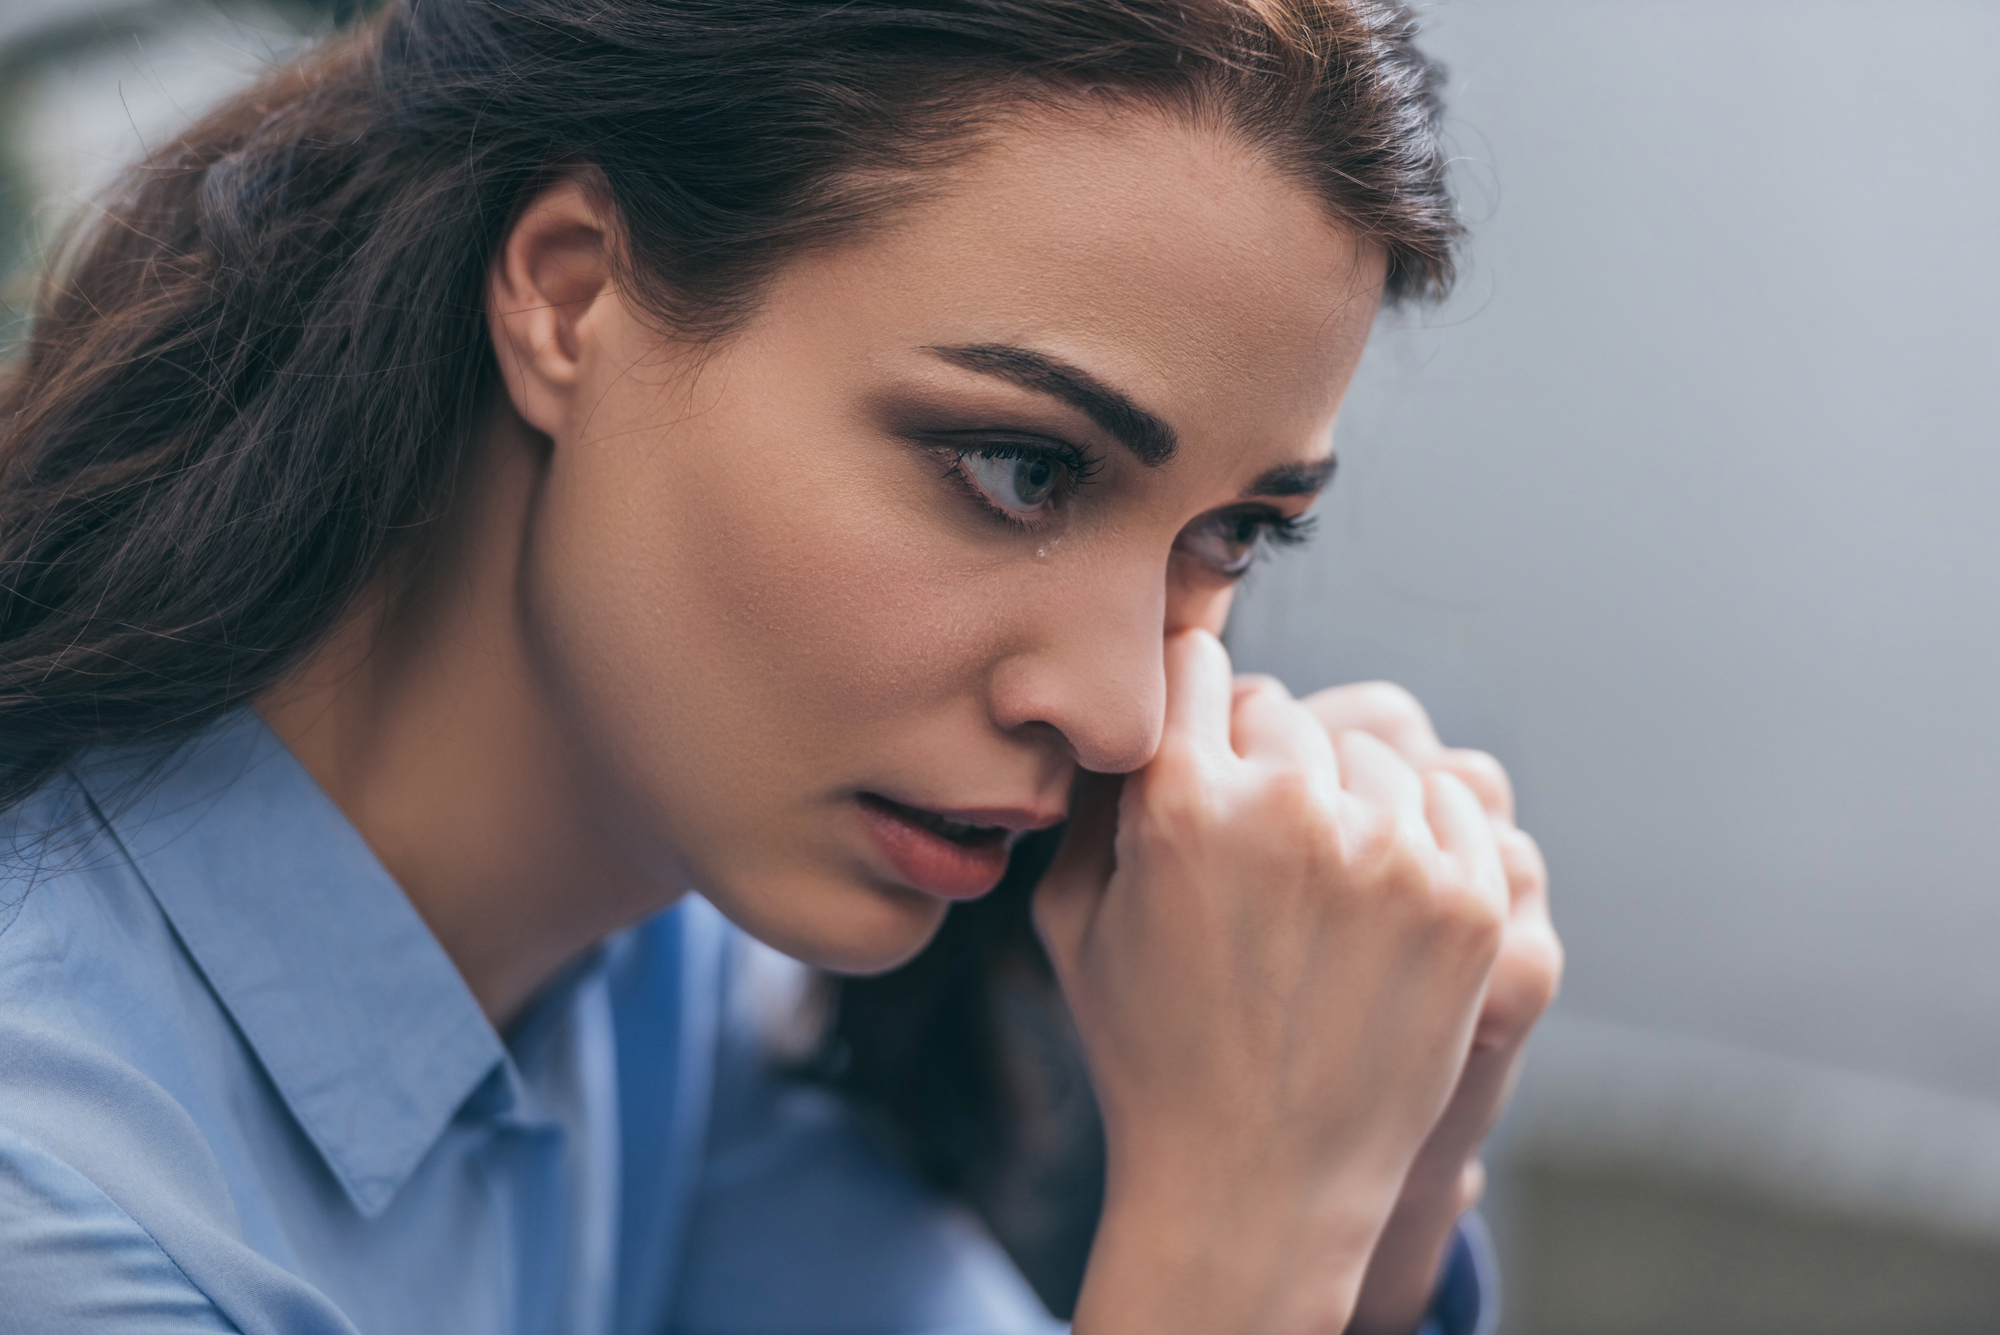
{"points": [[1078, 466], [1272, 530], [1290, 530]]}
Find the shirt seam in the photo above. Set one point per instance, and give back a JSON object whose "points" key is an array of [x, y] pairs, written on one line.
{"points": [[126, 1215]]}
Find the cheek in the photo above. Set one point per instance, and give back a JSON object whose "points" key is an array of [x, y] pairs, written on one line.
{"points": [[823, 600], [739, 623], [737, 639]]}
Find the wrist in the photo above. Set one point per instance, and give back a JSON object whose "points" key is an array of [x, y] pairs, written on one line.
{"points": [[1201, 1251], [1409, 1259]]}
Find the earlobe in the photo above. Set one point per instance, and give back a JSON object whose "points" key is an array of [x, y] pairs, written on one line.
{"points": [[553, 267]]}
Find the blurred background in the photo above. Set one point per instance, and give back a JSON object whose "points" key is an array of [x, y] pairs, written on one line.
{"points": [[1688, 507]]}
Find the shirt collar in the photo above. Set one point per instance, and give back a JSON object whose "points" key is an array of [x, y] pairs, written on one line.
{"points": [[358, 1015]]}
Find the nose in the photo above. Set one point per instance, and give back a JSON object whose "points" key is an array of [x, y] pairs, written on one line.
{"points": [[1095, 674]]}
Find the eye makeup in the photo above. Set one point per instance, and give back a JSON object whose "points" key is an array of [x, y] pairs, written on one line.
{"points": [[1021, 479], [1228, 542]]}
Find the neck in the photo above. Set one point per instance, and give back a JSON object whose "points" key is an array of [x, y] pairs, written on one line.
{"points": [[424, 718]]}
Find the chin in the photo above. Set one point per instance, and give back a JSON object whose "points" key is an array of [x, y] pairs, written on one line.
{"points": [[844, 926]]}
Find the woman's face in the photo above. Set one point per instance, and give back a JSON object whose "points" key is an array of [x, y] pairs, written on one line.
{"points": [[834, 606]]}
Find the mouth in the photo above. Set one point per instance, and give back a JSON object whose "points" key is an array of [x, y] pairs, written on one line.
{"points": [[946, 856], [965, 832]]}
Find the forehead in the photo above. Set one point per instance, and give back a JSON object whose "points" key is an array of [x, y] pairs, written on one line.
{"points": [[1168, 258]]}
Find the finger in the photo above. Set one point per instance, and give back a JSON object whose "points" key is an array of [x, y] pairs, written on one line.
{"points": [[1523, 983], [1484, 775], [1527, 873], [1266, 724], [1250, 681], [1528, 971], [1198, 693], [1383, 710], [1465, 834], [1074, 883], [1380, 778]]}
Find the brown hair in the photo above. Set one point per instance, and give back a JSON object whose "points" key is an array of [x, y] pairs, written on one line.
{"points": [[250, 381], [249, 384]]}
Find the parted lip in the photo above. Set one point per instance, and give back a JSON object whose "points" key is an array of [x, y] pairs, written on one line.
{"points": [[1012, 819]]}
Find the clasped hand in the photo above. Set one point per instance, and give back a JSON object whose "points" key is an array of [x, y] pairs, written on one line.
{"points": [[1303, 947]]}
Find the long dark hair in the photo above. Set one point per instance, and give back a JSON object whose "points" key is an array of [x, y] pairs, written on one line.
{"points": [[250, 380]]}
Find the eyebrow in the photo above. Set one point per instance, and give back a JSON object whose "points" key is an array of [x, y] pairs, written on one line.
{"points": [[1293, 479], [1150, 439]]}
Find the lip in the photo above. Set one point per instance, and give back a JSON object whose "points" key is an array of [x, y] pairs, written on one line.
{"points": [[1015, 820], [949, 868]]}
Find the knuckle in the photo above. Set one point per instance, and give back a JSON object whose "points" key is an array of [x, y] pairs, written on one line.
{"points": [[1177, 810], [1540, 994], [1288, 791], [1470, 917], [1484, 775], [1480, 762], [1390, 870], [1380, 707], [1260, 683], [1372, 844], [1292, 811], [1176, 767], [1387, 700], [1176, 800], [1533, 978], [1337, 706], [1520, 994], [1524, 888], [1521, 857], [1550, 972]]}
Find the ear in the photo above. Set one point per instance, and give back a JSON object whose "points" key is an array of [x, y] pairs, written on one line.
{"points": [[551, 277]]}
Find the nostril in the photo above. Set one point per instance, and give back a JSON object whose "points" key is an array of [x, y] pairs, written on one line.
{"points": [[1096, 678]]}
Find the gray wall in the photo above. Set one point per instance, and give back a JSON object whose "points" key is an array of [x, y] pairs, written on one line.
{"points": [[1688, 506]]}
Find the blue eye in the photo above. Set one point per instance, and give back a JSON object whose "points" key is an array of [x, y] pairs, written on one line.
{"points": [[1017, 483]]}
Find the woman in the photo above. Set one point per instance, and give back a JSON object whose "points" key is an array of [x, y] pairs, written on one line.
{"points": [[532, 459]]}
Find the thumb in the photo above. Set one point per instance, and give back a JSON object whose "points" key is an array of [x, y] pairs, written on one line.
{"points": [[1200, 693]]}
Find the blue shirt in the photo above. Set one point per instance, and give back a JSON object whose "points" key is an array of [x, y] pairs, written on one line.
{"points": [[242, 1088]]}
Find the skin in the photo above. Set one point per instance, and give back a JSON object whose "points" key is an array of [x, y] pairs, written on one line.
{"points": [[695, 599]]}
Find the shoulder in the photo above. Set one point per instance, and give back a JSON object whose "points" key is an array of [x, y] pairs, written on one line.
{"points": [[95, 1026], [77, 1261], [89, 1141], [116, 1065], [78, 1257], [92, 979], [99, 1004]]}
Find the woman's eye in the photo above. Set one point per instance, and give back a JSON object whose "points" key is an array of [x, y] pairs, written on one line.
{"points": [[1018, 484], [1227, 543]]}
